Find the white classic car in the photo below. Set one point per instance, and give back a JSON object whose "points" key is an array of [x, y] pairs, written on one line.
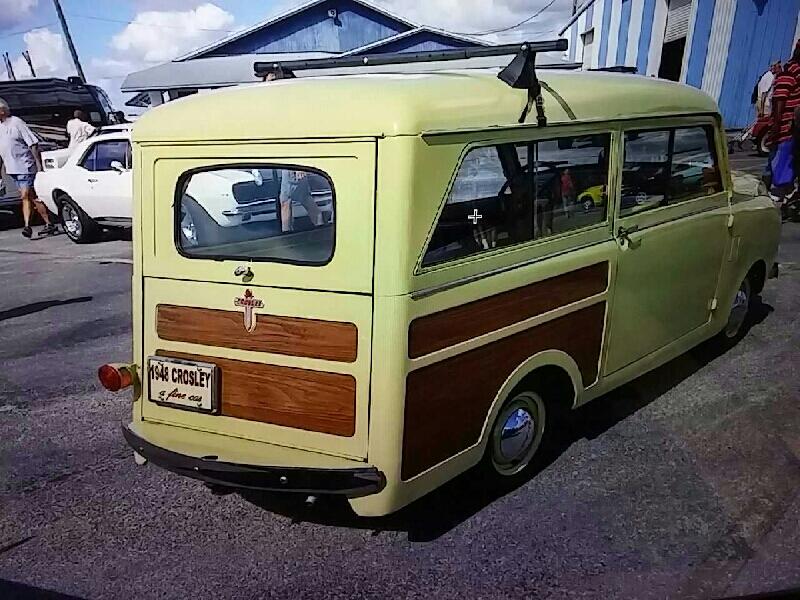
{"points": [[92, 190]]}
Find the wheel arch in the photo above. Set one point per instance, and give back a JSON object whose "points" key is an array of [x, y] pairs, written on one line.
{"points": [[551, 368]]}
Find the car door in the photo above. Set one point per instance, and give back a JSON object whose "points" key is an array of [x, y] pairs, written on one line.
{"points": [[108, 194], [671, 232]]}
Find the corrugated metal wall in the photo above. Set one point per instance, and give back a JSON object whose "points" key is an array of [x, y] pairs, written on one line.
{"points": [[729, 43], [763, 31]]}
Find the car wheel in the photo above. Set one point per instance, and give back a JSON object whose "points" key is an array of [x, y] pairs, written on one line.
{"points": [[588, 204], [78, 226], [739, 311], [197, 228], [761, 146], [516, 435]]}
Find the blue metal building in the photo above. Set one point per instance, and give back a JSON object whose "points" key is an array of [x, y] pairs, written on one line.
{"points": [[318, 28], [719, 46]]}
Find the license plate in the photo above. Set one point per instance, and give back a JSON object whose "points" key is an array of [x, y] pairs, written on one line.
{"points": [[183, 384]]}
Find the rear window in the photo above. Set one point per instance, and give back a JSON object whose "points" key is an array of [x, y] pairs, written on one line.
{"points": [[256, 212]]}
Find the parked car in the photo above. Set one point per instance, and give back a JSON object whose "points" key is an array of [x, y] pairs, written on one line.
{"points": [[384, 353], [92, 190]]}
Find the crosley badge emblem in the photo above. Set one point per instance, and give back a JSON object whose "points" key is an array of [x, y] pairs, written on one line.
{"points": [[249, 303]]}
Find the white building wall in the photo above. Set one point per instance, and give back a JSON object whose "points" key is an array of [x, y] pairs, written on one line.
{"points": [[600, 6], [581, 25], [613, 33], [635, 30], [797, 30], [718, 44], [657, 37], [689, 36]]}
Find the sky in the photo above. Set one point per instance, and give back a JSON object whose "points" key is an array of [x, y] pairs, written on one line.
{"points": [[116, 37]]}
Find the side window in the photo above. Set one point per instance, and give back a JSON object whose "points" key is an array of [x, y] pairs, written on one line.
{"points": [[258, 212], [108, 152], [515, 193], [88, 161], [666, 166]]}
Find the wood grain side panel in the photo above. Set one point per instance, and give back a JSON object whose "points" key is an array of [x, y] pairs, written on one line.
{"points": [[461, 323], [310, 338], [298, 398], [448, 401]]}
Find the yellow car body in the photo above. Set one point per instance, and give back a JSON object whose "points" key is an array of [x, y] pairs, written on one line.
{"points": [[356, 358]]}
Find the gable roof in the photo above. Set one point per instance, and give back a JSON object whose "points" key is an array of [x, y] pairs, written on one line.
{"points": [[413, 32], [282, 17]]}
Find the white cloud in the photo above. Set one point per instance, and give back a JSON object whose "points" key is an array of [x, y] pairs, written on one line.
{"points": [[13, 12], [49, 55], [157, 36], [470, 16]]}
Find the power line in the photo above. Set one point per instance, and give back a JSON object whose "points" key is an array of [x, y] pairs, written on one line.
{"points": [[182, 27], [13, 33], [509, 28]]}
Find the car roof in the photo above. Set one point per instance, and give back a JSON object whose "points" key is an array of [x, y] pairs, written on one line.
{"points": [[369, 105]]}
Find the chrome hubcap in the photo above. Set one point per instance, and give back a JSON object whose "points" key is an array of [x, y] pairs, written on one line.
{"points": [[187, 228], [741, 304], [517, 434], [72, 223]]}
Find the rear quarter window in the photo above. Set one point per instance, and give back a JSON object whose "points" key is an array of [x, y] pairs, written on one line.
{"points": [[269, 213]]}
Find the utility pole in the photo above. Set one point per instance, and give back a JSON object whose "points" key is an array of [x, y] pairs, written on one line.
{"points": [[68, 37], [27, 56], [9, 68]]}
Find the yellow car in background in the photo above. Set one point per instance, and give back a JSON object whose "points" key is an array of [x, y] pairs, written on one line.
{"points": [[593, 197]]}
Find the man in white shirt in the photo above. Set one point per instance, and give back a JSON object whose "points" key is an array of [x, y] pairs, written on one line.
{"points": [[78, 128], [764, 102], [21, 160]]}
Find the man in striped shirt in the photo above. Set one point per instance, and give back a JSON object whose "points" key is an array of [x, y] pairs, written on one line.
{"points": [[785, 102]]}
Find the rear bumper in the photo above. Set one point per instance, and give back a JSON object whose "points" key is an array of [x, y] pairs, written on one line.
{"points": [[352, 483]]}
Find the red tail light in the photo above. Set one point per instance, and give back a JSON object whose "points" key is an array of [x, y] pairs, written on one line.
{"points": [[115, 377]]}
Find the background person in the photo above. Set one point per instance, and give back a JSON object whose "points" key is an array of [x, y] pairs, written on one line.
{"points": [[785, 100], [78, 128], [295, 187], [21, 159]]}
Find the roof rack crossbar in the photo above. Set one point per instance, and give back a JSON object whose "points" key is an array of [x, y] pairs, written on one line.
{"points": [[263, 68]]}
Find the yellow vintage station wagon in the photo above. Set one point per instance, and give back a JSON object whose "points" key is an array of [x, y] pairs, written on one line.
{"points": [[366, 285]]}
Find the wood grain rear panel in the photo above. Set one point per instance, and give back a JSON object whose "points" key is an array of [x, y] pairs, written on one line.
{"points": [[310, 338], [298, 398], [461, 323], [448, 401]]}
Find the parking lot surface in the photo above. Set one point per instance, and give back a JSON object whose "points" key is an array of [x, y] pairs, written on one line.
{"points": [[683, 484]]}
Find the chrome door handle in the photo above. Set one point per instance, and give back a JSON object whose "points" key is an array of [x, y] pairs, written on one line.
{"points": [[243, 271], [624, 233]]}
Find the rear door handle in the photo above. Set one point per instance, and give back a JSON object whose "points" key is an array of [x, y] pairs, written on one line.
{"points": [[92, 180], [624, 233]]}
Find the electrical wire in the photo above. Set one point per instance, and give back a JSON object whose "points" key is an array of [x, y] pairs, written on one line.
{"points": [[77, 16], [13, 33], [510, 27]]}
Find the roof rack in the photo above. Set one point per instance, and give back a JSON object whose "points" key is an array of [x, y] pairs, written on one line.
{"points": [[519, 74]]}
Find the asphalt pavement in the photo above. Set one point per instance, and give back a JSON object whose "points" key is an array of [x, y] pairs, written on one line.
{"points": [[683, 484]]}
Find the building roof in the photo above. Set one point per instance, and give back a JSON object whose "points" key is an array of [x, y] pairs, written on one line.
{"points": [[283, 16], [378, 105], [410, 33]]}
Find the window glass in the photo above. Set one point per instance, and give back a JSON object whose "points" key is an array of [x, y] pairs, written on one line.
{"points": [[89, 159], [666, 166], [498, 200], [108, 152], [257, 213]]}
